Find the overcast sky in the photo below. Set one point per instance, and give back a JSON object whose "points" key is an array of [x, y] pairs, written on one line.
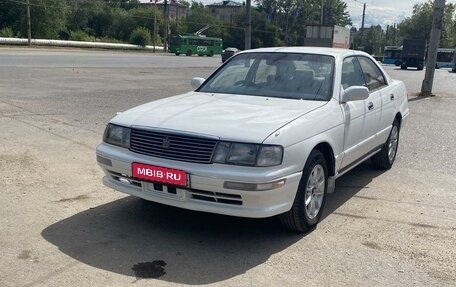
{"points": [[378, 12]]}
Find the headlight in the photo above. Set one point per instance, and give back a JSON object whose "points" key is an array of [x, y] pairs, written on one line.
{"points": [[270, 155], [248, 154], [117, 135]]}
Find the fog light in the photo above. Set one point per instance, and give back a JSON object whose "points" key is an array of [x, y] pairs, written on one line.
{"points": [[103, 160], [254, 186]]}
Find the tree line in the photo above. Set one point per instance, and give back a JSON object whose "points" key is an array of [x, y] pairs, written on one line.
{"points": [[274, 22]]}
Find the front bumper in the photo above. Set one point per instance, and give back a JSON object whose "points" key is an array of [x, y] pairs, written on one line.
{"points": [[206, 191]]}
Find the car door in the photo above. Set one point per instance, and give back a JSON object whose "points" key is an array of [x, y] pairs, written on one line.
{"points": [[354, 112], [376, 83]]}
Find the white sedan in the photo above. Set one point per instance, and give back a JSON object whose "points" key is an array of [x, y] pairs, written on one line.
{"points": [[266, 134]]}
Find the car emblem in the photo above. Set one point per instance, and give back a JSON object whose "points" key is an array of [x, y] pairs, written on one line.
{"points": [[166, 143]]}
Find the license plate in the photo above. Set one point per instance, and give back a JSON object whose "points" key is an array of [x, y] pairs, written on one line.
{"points": [[159, 174]]}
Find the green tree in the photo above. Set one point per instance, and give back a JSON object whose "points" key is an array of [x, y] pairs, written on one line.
{"points": [[83, 15], [374, 40], [264, 34], [419, 24], [292, 16], [198, 17], [335, 13], [48, 17]]}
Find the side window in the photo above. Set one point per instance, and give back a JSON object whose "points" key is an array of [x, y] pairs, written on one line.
{"points": [[352, 74], [372, 74]]}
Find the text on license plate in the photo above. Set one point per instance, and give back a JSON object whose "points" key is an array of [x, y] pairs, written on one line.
{"points": [[159, 174]]}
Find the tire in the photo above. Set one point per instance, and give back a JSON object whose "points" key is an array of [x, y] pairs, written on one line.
{"points": [[403, 67], [397, 63], [177, 54], [189, 52], [211, 53], [200, 55], [420, 67], [385, 158], [312, 188]]}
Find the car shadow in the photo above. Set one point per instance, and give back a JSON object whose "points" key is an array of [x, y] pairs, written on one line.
{"points": [[142, 239], [349, 185]]}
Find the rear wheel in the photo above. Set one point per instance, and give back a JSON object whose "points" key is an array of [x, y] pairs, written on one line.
{"points": [[177, 54], [384, 159], [310, 196], [211, 53], [420, 67], [189, 52], [403, 67]]}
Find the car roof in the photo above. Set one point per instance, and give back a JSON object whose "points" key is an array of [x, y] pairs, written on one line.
{"points": [[335, 52]]}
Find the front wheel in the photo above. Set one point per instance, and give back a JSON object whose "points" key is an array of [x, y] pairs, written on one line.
{"points": [[308, 204], [384, 159]]}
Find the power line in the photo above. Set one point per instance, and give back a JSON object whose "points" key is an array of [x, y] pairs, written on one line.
{"points": [[359, 2]]}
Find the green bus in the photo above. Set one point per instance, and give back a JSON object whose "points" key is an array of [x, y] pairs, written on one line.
{"points": [[194, 44]]}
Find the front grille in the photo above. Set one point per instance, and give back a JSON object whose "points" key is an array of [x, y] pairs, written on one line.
{"points": [[172, 146]]}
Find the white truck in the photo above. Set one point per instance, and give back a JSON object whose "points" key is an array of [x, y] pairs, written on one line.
{"points": [[327, 36]]}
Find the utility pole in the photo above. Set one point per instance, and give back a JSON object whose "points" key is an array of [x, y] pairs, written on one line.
{"points": [[154, 38], [394, 34], [362, 24], [29, 33], [426, 88], [165, 32], [248, 29], [321, 12]]}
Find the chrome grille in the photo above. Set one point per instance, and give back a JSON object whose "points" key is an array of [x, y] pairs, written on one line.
{"points": [[172, 146]]}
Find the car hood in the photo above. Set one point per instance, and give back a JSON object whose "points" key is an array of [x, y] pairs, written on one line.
{"points": [[229, 117]]}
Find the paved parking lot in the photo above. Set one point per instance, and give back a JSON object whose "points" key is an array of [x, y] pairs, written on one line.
{"points": [[59, 226]]}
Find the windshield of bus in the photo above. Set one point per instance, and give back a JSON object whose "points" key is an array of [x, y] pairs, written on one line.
{"points": [[280, 75]]}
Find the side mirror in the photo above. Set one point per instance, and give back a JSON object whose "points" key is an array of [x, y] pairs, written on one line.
{"points": [[197, 82], [355, 93]]}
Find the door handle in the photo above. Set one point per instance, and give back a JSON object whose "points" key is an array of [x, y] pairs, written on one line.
{"points": [[392, 97], [370, 106]]}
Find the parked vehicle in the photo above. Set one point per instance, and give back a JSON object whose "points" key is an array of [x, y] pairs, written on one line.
{"points": [[332, 36], [228, 53], [453, 63], [413, 54], [444, 58], [193, 44], [392, 55], [266, 134]]}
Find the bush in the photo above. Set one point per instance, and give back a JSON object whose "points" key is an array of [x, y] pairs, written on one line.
{"points": [[7, 32], [140, 36], [79, 36]]}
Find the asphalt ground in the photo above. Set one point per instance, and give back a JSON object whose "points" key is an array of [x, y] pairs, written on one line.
{"points": [[59, 226]]}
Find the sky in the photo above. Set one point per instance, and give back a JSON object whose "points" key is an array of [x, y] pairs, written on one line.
{"points": [[378, 12]]}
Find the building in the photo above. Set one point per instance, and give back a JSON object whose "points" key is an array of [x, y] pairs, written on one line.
{"points": [[225, 10], [176, 10]]}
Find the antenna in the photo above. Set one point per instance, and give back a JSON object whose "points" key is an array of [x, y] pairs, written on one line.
{"points": [[202, 29]]}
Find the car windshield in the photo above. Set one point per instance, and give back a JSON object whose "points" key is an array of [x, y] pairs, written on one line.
{"points": [[280, 75]]}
